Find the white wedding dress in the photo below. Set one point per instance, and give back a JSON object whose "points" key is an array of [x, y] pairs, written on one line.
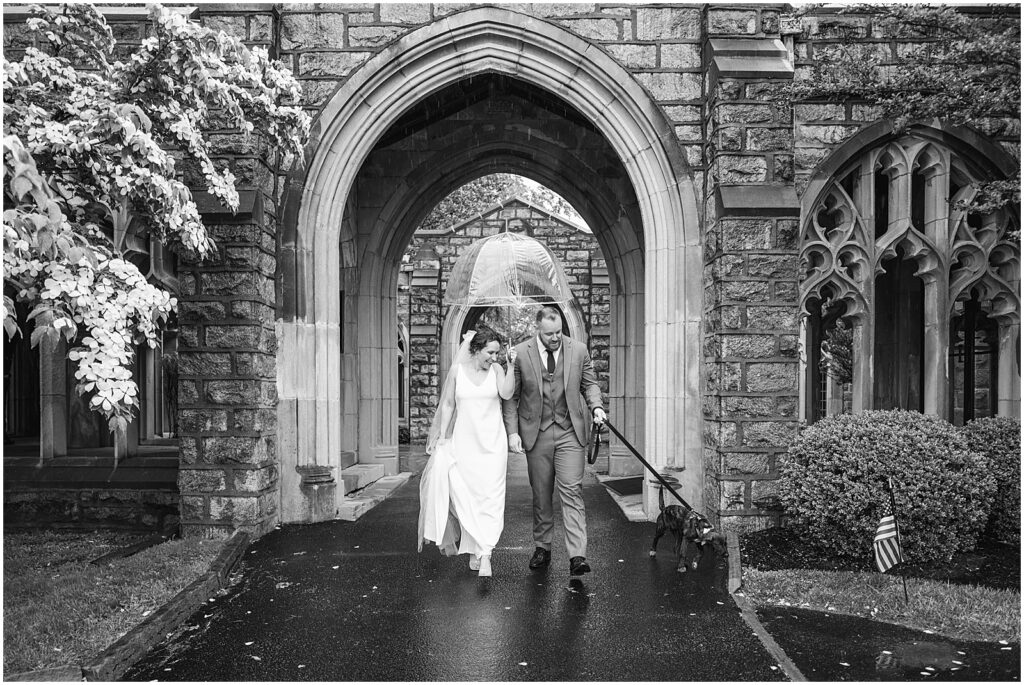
{"points": [[462, 491]]}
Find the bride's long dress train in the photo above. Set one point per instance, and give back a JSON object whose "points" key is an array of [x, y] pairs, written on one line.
{"points": [[462, 489]]}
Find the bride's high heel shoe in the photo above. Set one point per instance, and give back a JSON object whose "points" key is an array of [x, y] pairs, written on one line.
{"points": [[474, 562], [485, 566]]}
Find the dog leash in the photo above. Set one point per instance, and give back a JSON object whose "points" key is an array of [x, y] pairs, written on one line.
{"points": [[596, 442]]}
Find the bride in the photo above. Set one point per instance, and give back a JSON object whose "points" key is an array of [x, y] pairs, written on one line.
{"points": [[462, 489]]}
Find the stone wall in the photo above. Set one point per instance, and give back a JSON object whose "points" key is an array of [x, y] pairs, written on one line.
{"points": [[228, 476], [91, 508], [430, 258], [751, 268], [661, 45], [818, 128], [739, 138], [713, 70], [227, 379]]}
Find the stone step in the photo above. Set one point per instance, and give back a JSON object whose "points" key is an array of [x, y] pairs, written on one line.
{"points": [[352, 507], [359, 476]]}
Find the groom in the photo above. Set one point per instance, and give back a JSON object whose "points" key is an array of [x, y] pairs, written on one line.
{"points": [[548, 418]]}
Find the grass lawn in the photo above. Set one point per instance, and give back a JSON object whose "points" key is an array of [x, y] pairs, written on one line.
{"points": [[966, 612], [59, 609], [973, 596]]}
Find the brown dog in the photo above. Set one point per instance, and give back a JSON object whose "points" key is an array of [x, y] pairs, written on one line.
{"points": [[692, 532]]}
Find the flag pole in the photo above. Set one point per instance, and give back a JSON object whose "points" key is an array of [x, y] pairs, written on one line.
{"points": [[899, 539]]}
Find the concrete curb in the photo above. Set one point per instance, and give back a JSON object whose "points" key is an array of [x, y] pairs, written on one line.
{"points": [[750, 615], [115, 660]]}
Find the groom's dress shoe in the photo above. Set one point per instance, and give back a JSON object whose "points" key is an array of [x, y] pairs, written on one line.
{"points": [[578, 566], [541, 558]]}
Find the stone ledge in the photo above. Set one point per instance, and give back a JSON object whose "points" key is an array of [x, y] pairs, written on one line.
{"points": [[632, 506], [250, 206], [747, 58], [757, 200], [355, 506], [359, 476]]}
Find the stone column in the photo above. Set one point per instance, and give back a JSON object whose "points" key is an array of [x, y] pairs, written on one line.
{"points": [[1009, 369], [424, 355], [227, 416], [751, 268], [227, 379], [936, 291]]}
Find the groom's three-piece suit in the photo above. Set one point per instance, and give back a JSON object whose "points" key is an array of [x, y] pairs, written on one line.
{"points": [[552, 411]]}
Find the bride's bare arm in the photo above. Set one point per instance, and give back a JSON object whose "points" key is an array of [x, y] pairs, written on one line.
{"points": [[507, 381]]}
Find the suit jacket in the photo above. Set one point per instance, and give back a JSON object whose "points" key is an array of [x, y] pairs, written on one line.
{"points": [[582, 393]]}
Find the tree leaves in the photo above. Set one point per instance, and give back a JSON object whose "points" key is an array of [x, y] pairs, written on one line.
{"points": [[87, 149], [964, 70]]}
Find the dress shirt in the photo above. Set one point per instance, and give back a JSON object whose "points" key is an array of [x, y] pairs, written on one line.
{"points": [[544, 354]]}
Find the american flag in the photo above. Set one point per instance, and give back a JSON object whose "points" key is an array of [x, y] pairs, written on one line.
{"points": [[887, 544]]}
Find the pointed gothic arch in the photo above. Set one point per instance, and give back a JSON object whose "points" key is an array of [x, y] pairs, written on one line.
{"points": [[320, 414]]}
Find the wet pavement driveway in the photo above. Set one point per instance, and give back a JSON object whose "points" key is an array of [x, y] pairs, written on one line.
{"points": [[355, 601], [836, 648]]}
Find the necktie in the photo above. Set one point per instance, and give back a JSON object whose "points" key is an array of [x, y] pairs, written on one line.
{"points": [[551, 362]]}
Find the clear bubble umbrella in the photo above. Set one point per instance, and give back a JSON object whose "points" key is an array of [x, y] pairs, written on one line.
{"points": [[507, 270]]}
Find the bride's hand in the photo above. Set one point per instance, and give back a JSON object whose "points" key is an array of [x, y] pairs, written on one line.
{"points": [[511, 355]]}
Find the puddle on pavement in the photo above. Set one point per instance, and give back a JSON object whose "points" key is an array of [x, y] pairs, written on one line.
{"points": [[919, 656]]}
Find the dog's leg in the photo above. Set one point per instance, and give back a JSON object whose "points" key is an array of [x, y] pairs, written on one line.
{"points": [[688, 559], [680, 552], [698, 549], [684, 548], [658, 532]]}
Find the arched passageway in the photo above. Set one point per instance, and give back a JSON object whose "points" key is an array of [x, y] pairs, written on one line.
{"points": [[478, 92]]}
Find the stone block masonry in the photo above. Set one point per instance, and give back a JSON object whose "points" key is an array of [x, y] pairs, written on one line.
{"points": [[713, 72], [751, 269], [663, 46], [88, 506], [228, 393]]}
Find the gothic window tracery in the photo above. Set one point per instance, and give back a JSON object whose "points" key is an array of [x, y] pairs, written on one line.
{"points": [[922, 291]]}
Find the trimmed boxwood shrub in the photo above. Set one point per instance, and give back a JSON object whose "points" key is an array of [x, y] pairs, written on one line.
{"points": [[998, 438], [832, 483]]}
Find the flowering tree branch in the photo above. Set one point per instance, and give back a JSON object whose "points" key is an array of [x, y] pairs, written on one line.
{"points": [[89, 147]]}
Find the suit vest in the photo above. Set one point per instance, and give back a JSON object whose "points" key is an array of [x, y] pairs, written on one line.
{"points": [[555, 409]]}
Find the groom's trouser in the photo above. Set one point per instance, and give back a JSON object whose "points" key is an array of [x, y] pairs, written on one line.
{"points": [[557, 458]]}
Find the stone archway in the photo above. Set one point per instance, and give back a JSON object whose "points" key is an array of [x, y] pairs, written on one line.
{"points": [[336, 380]]}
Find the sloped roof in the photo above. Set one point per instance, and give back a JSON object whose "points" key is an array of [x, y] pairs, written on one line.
{"points": [[501, 205]]}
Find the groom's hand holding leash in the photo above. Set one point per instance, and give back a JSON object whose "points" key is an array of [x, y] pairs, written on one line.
{"points": [[599, 415]]}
